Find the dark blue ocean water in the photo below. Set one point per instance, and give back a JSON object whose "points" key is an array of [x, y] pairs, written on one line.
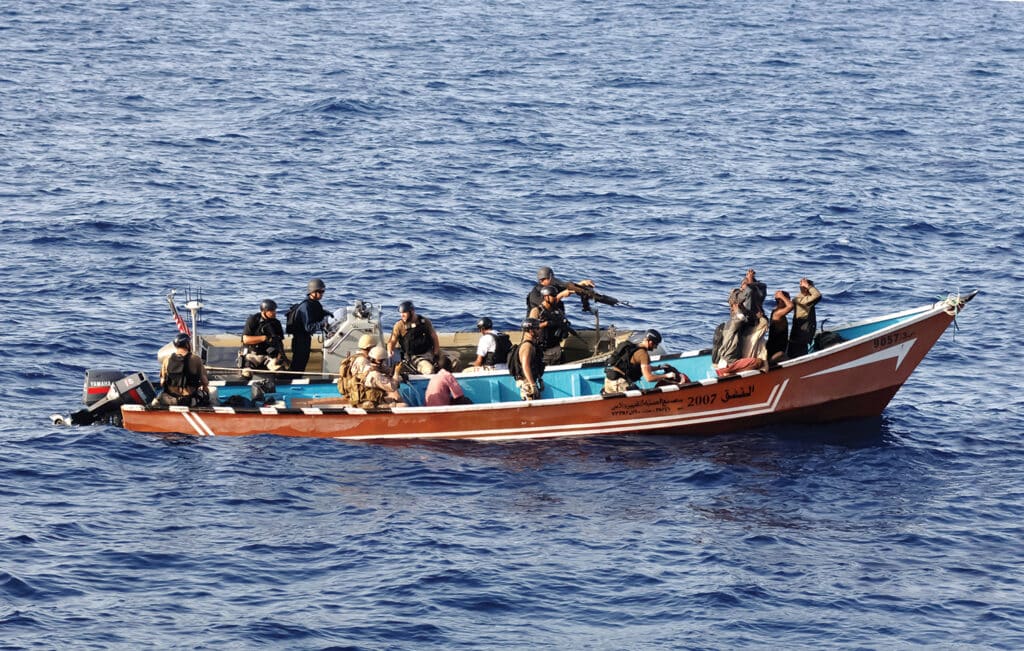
{"points": [[441, 152]]}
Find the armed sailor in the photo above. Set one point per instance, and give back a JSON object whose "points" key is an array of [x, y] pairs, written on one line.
{"points": [[584, 289], [554, 327], [183, 377], [305, 320], [527, 364], [415, 335], [631, 361], [263, 340]]}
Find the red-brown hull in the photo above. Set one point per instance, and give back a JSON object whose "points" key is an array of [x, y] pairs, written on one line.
{"points": [[853, 380]]}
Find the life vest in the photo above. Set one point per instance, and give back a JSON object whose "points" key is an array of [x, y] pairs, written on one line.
{"points": [[556, 330], [373, 396], [417, 339], [181, 374], [350, 383], [502, 346], [620, 364], [515, 366]]}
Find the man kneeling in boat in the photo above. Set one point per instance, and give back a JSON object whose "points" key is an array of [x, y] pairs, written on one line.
{"points": [[632, 361], [183, 377], [381, 387]]}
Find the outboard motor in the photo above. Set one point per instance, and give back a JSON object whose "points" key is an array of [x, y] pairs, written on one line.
{"points": [[104, 392]]}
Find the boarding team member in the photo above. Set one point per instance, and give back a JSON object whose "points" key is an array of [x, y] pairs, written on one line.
{"points": [[310, 318], [183, 377]]}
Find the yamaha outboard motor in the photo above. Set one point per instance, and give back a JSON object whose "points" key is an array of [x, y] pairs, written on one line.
{"points": [[104, 392]]}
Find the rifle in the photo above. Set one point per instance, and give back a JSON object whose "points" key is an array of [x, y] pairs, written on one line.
{"points": [[587, 294]]}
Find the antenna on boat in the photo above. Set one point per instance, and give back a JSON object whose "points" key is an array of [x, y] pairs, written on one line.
{"points": [[194, 306]]}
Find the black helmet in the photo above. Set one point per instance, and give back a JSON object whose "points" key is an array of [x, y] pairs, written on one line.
{"points": [[315, 285], [549, 290], [268, 305], [183, 341], [406, 306], [653, 335], [531, 324], [545, 272], [484, 323]]}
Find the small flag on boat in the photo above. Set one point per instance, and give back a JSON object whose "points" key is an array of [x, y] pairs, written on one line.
{"points": [[182, 326]]}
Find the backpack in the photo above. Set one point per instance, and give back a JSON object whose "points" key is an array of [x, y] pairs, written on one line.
{"points": [[291, 325], [350, 384], [619, 360], [515, 368], [502, 347], [827, 338]]}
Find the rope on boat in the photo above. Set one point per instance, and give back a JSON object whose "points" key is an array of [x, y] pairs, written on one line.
{"points": [[953, 305]]}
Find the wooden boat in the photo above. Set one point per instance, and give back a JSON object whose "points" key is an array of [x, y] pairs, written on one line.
{"points": [[853, 379]]}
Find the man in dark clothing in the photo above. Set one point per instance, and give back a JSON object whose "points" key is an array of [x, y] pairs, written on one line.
{"points": [[310, 318], [263, 339], [414, 334], [527, 367], [805, 320], [553, 325], [183, 377], [546, 278]]}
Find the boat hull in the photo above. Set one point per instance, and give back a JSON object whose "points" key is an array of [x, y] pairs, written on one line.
{"points": [[855, 379]]}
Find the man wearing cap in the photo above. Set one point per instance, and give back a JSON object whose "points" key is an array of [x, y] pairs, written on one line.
{"points": [[632, 361], [183, 377], [546, 278], [310, 318], [263, 340]]}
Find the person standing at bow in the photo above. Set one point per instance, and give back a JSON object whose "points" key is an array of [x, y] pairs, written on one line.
{"points": [[307, 319], [805, 320], [778, 327]]}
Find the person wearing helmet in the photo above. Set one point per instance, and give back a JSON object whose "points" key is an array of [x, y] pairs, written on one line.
{"points": [[546, 278], [183, 377], [381, 388], [554, 327], [493, 347], [353, 369], [414, 334], [362, 362], [631, 361], [309, 318], [527, 363], [262, 341]]}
